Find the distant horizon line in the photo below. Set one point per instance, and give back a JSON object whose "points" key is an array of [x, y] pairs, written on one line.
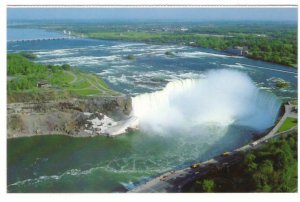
{"points": [[152, 5], [153, 20]]}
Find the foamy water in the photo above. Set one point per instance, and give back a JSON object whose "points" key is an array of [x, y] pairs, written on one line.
{"points": [[222, 98]]}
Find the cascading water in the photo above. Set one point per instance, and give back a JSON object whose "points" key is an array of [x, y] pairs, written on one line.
{"points": [[222, 98]]}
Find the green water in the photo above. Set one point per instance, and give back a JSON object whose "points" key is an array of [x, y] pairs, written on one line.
{"points": [[101, 164]]}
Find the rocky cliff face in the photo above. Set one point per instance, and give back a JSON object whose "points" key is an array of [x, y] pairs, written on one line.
{"points": [[116, 107], [63, 116]]}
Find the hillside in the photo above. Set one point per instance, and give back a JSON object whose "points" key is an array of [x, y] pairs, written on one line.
{"points": [[27, 79], [51, 99]]}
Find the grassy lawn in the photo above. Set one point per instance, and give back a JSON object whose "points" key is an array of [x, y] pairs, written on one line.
{"points": [[64, 76], [89, 84], [86, 92], [83, 84], [99, 83], [287, 124], [67, 77], [80, 84], [26, 74]]}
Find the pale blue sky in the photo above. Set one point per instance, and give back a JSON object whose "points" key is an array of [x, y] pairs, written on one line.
{"points": [[201, 14]]}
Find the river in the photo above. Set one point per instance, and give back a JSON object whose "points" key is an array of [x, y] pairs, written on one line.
{"points": [[100, 164]]}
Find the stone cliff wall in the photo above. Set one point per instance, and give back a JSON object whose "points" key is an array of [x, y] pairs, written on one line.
{"points": [[62, 116]]}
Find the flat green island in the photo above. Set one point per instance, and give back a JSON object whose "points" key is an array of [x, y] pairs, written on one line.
{"points": [[27, 77]]}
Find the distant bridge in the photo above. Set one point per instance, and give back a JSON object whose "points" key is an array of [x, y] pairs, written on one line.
{"points": [[41, 39]]}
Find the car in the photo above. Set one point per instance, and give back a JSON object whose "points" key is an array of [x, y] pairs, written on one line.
{"points": [[253, 144], [196, 165], [163, 178], [226, 153]]}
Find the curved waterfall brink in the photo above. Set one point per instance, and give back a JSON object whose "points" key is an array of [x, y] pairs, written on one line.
{"points": [[222, 98]]}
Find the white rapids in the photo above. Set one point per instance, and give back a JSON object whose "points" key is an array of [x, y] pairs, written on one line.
{"points": [[222, 98]]}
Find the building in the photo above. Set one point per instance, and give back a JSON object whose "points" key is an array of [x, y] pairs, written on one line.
{"points": [[183, 29], [237, 50], [43, 84]]}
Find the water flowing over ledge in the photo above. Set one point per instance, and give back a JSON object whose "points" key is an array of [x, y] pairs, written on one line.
{"points": [[222, 98]]}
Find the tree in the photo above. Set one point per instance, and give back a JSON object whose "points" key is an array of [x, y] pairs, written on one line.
{"points": [[280, 161], [266, 188], [263, 175], [208, 185], [266, 168], [27, 55], [66, 67], [249, 163]]}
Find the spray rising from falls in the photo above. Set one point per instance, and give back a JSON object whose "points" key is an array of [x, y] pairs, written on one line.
{"points": [[222, 98]]}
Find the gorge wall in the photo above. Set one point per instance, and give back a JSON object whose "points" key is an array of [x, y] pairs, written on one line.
{"points": [[66, 116]]}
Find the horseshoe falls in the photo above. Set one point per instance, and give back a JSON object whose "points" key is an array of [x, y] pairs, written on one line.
{"points": [[222, 98]]}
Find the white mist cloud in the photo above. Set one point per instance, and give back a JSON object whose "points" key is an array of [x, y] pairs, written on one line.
{"points": [[223, 98]]}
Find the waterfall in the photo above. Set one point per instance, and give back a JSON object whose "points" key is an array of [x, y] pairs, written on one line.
{"points": [[222, 98]]}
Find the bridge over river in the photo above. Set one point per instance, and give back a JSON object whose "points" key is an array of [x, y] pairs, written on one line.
{"points": [[43, 39]]}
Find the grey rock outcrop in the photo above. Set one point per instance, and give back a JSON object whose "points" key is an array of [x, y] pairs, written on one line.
{"points": [[62, 116]]}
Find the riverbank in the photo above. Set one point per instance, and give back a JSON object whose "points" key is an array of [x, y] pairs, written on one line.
{"points": [[209, 42]]}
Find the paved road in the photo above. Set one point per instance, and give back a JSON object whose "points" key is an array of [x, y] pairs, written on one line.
{"points": [[173, 181]]}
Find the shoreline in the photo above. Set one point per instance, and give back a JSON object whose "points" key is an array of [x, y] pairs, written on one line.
{"points": [[76, 34], [187, 45], [220, 51], [64, 134]]}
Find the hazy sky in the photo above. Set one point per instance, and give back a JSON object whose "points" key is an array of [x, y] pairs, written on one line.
{"points": [[267, 14]]}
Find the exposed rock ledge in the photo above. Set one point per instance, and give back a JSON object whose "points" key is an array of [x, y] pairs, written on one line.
{"points": [[75, 117]]}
